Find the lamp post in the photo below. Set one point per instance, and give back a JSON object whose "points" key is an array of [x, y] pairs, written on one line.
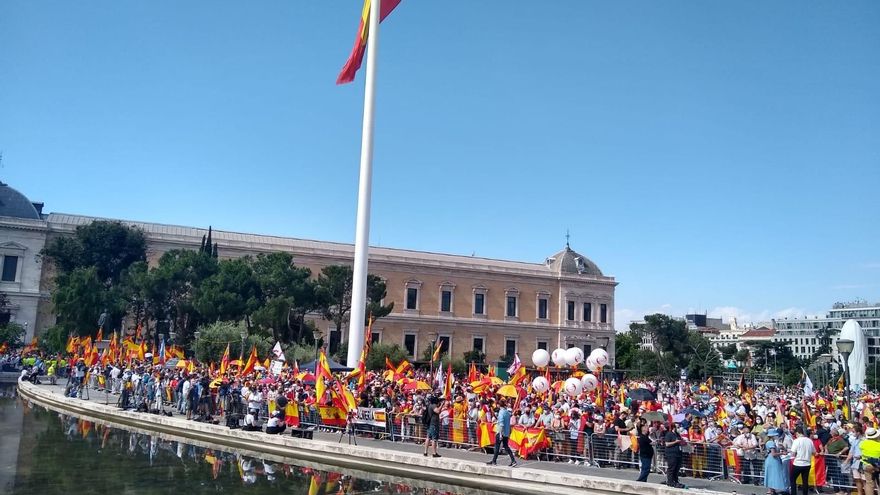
{"points": [[824, 361], [845, 347]]}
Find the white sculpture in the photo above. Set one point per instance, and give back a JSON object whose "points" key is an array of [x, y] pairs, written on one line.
{"points": [[858, 359]]}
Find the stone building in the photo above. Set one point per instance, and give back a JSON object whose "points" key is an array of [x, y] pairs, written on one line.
{"points": [[497, 306]]}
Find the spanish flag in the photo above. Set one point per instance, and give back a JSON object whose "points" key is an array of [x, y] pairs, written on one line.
{"points": [[224, 361], [322, 372], [438, 349], [360, 42], [251, 362]]}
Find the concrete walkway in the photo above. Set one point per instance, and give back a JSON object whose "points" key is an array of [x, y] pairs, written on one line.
{"points": [[461, 462]]}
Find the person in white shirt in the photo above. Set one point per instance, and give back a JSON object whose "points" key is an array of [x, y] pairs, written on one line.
{"points": [[802, 448], [747, 449]]}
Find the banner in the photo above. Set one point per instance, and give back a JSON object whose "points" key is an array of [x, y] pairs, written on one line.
{"points": [[374, 416]]}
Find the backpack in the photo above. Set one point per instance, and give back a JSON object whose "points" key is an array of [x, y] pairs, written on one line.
{"points": [[426, 416]]}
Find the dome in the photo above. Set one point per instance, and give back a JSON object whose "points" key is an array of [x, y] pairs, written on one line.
{"points": [[15, 204], [569, 262]]}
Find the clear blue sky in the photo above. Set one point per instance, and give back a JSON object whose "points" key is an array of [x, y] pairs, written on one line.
{"points": [[718, 156]]}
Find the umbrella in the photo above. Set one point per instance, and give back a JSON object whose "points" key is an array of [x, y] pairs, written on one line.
{"points": [[641, 394], [172, 363], [181, 363], [654, 416], [494, 380], [306, 377], [511, 391], [694, 412], [416, 385]]}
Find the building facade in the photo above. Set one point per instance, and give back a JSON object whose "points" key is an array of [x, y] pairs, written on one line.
{"points": [[499, 307], [802, 334]]}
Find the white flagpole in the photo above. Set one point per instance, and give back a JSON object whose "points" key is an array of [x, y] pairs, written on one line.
{"points": [[362, 230]]}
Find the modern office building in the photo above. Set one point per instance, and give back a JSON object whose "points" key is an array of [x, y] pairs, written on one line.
{"points": [[801, 334], [499, 307]]}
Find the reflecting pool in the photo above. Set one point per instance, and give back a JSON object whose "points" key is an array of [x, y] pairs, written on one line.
{"points": [[45, 452]]}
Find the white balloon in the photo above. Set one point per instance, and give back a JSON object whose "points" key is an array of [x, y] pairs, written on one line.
{"points": [[589, 382], [590, 363], [540, 358], [574, 355], [600, 356], [572, 386], [558, 357], [540, 384]]}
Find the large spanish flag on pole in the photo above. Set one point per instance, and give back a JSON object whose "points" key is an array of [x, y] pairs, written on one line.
{"points": [[346, 75]]}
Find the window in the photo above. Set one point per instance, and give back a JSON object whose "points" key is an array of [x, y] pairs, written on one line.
{"points": [[409, 343], [570, 311], [587, 349], [603, 313], [411, 301], [510, 347], [542, 308], [588, 312], [479, 344], [511, 296], [446, 301], [375, 337], [479, 304], [542, 344], [511, 306], [412, 298], [10, 268], [335, 340]]}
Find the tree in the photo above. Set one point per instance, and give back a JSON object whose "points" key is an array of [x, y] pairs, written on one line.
{"points": [[625, 350], [670, 338], [474, 356], [701, 359], [172, 287], [11, 335], [728, 351], [287, 295], [230, 294], [742, 355], [378, 353], [334, 286], [80, 297], [214, 337], [109, 247], [90, 267]]}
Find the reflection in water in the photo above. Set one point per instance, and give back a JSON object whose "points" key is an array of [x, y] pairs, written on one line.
{"points": [[64, 454]]}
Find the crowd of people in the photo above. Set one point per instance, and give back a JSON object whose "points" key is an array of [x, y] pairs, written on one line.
{"points": [[776, 437]]}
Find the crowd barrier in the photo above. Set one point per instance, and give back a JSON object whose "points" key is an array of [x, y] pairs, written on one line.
{"points": [[699, 459]]}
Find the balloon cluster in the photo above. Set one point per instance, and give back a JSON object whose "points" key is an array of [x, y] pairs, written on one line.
{"points": [[569, 357]]}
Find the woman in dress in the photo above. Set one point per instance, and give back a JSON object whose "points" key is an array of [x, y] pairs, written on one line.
{"points": [[774, 469]]}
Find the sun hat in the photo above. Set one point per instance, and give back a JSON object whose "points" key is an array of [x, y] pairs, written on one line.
{"points": [[872, 433]]}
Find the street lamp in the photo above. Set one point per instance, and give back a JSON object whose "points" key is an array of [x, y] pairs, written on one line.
{"points": [[845, 347], [824, 360]]}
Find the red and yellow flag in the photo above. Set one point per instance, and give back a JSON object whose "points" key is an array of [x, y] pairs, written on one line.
{"points": [[322, 372], [438, 349], [224, 361], [346, 75], [251, 362]]}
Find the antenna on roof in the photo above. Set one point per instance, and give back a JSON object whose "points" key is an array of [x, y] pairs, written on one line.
{"points": [[567, 237]]}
